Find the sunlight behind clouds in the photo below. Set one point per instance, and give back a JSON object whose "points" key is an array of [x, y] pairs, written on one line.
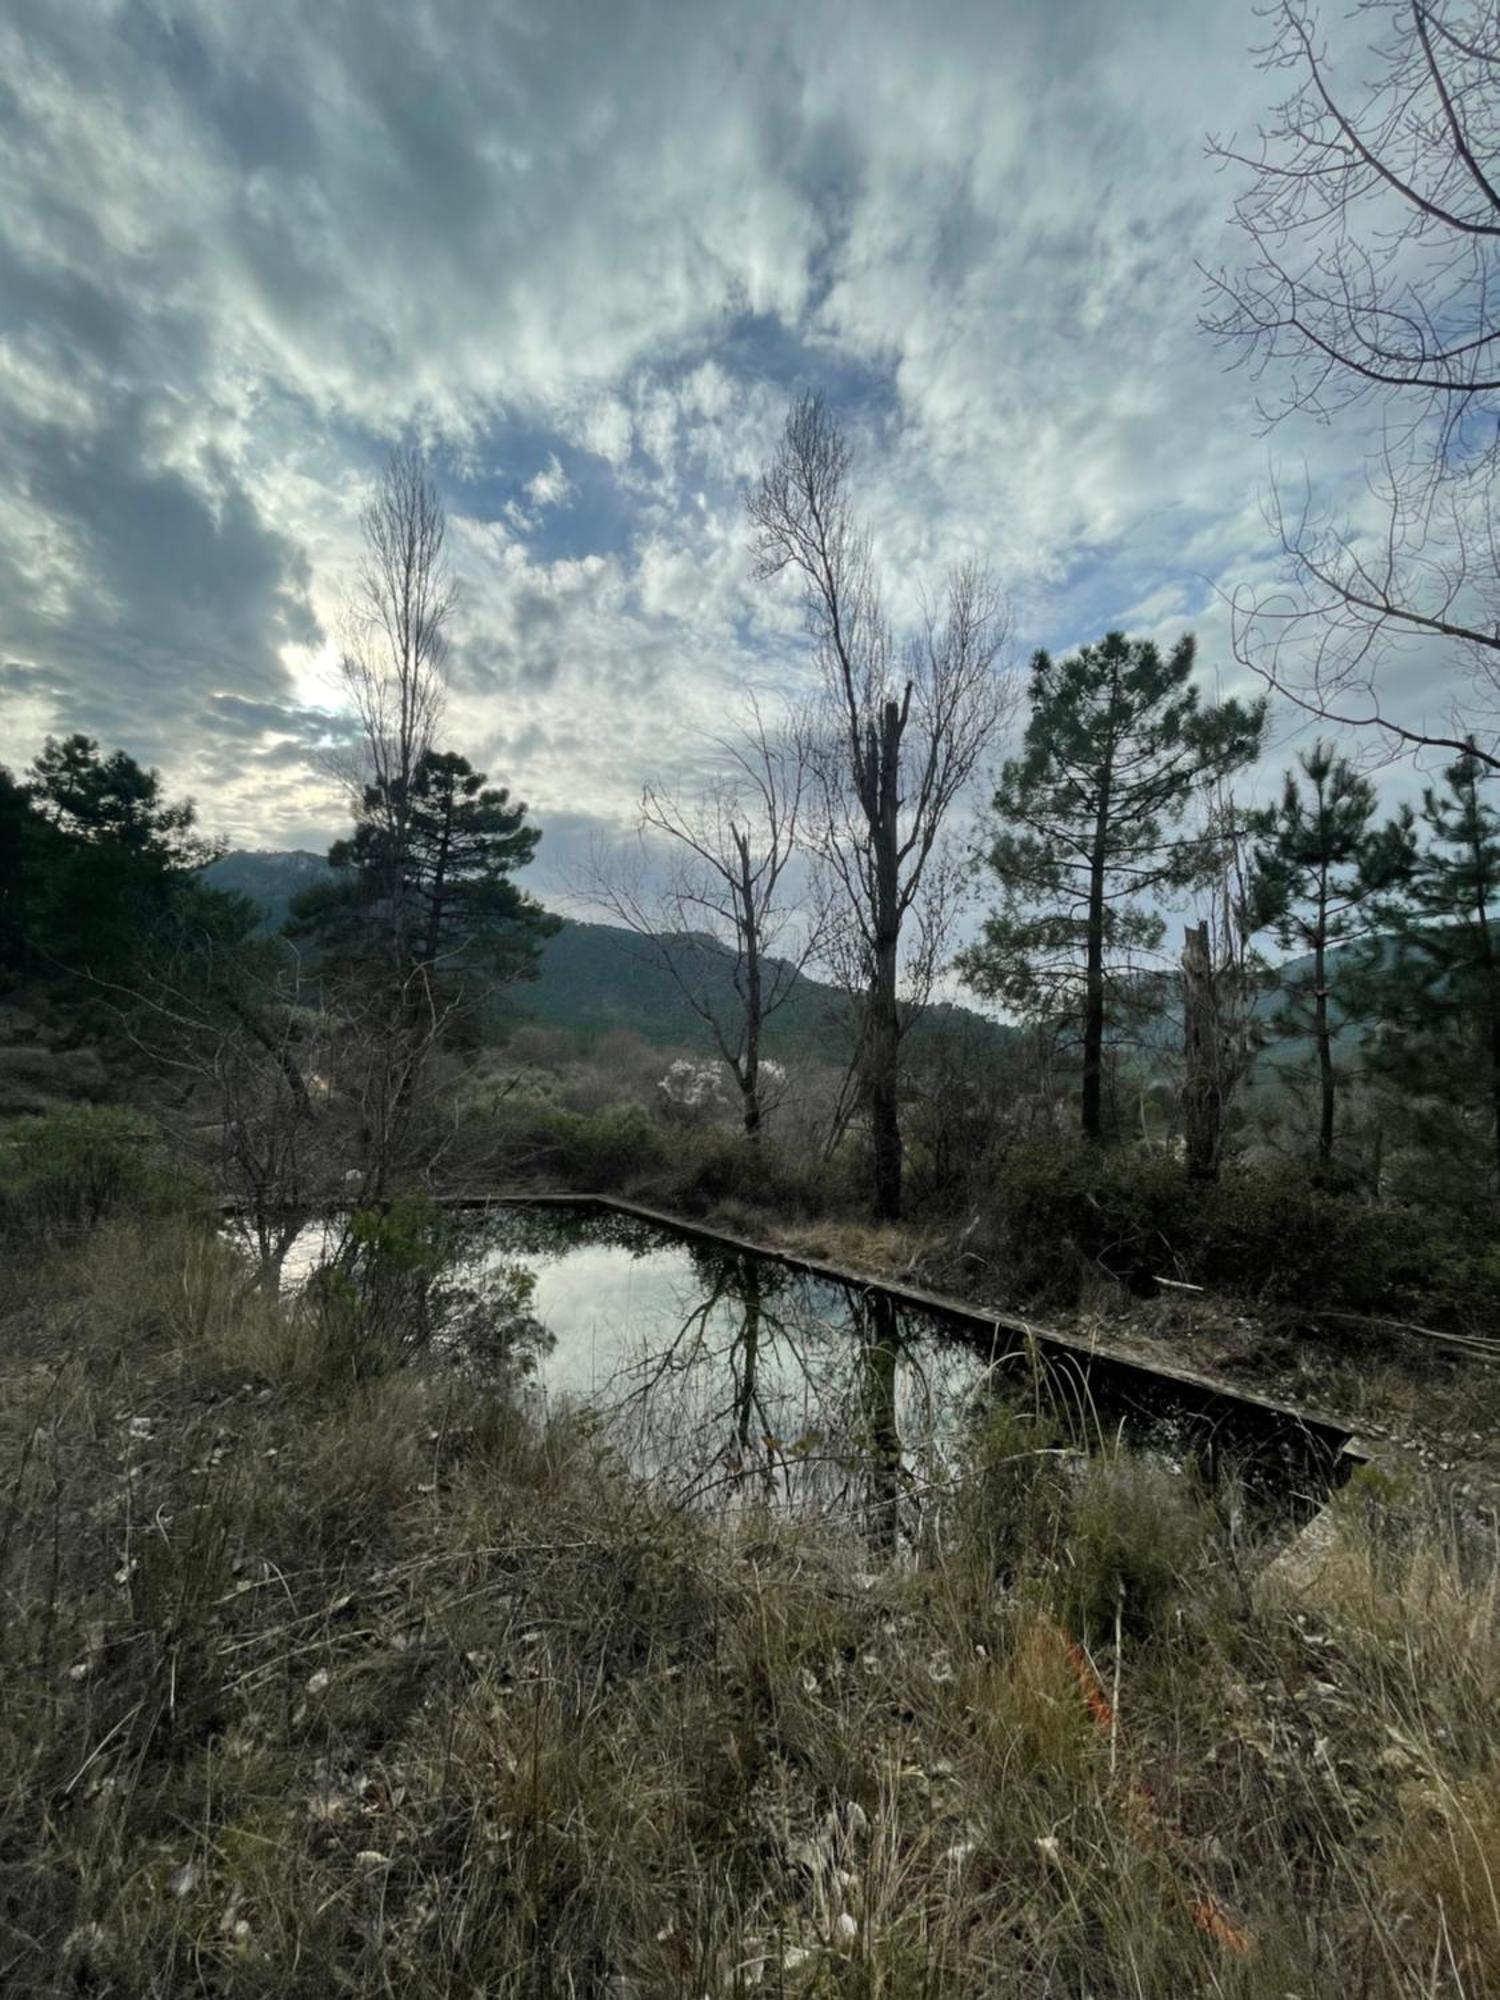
{"points": [[585, 254]]}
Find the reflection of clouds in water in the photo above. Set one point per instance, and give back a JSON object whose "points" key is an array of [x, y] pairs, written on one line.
{"points": [[722, 1376], [599, 1301], [710, 1375], [715, 1375]]}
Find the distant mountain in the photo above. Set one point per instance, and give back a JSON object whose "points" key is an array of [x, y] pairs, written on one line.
{"points": [[267, 878], [595, 978], [599, 977]]}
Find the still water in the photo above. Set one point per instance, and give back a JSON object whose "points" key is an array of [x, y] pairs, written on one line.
{"points": [[726, 1376]]}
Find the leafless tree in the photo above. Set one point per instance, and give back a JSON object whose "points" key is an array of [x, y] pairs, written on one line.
{"points": [[1373, 218], [1218, 990], [236, 1020], [396, 645], [898, 733], [391, 1017], [729, 848]]}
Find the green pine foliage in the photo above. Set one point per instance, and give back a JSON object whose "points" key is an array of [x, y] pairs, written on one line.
{"points": [[427, 881], [1436, 990], [1088, 833], [94, 862], [1320, 864]]}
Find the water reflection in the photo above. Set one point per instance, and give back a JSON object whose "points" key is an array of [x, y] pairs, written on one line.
{"points": [[729, 1378]]}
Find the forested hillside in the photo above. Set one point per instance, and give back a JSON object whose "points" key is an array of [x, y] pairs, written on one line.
{"points": [[596, 978]]}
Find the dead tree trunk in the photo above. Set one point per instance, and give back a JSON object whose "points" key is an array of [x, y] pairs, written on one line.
{"points": [[1202, 1091], [885, 1006]]}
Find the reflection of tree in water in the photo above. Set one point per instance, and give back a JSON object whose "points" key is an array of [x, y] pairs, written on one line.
{"points": [[760, 1381], [768, 1382], [775, 1386], [879, 1357], [545, 1233]]}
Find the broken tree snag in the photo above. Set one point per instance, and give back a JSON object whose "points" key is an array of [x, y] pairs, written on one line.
{"points": [[1202, 1095], [1216, 1038]]}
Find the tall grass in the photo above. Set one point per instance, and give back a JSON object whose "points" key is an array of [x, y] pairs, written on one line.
{"points": [[320, 1685]]}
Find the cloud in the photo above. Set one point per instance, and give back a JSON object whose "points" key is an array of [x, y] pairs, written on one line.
{"points": [[551, 487], [585, 253]]}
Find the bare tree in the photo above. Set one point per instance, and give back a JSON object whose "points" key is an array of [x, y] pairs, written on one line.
{"points": [[228, 1012], [729, 850], [391, 1017], [899, 732], [1373, 217], [397, 643], [1218, 991]]}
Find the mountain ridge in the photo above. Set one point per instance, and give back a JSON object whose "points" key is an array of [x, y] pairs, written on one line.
{"points": [[596, 978]]}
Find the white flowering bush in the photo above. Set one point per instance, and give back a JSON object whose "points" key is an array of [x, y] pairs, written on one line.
{"points": [[693, 1093]]}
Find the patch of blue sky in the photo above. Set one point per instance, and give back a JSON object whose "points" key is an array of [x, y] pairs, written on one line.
{"points": [[1122, 586], [600, 510]]}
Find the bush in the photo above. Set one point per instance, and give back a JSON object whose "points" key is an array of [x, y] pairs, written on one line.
{"points": [[1063, 1211], [1014, 1488], [73, 1169], [1137, 1535], [715, 1165], [607, 1149]]}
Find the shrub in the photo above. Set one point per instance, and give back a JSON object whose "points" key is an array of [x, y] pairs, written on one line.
{"points": [[1137, 1535], [73, 1169], [1065, 1209], [594, 1151], [713, 1165], [607, 1149], [1014, 1487], [1062, 1211]]}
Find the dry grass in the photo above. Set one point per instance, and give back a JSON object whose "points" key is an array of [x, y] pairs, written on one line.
{"points": [[319, 1686]]}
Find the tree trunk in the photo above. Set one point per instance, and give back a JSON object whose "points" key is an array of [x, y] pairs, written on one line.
{"points": [[885, 1016], [1492, 994], [880, 1344], [750, 935], [1321, 1030], [1092, 1107], [439, 887], [749, 1357], [1202, 1095]]}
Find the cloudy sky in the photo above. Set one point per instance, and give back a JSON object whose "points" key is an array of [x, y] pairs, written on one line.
{"points": [[585, 250]]}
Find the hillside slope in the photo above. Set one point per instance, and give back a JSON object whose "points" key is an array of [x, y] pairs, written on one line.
{"points": [[595, 978]]}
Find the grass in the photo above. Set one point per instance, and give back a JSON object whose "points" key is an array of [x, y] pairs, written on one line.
{"points": [[327, 1674]]}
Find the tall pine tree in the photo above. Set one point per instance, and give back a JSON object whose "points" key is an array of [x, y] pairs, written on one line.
{"points": [[440, 903], [1088, 826], [1320, 863], [115, 802], [94, 859], [1437, 989]]}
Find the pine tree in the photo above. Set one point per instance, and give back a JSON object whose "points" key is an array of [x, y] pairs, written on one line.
{"points": [[114, 802], [1087, 826], [1320, 864], [467, 839], [440, 902], [1438, 990], [98, 859]]}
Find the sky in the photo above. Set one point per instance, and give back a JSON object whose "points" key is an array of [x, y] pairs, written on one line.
{"points": [[585, 254]]}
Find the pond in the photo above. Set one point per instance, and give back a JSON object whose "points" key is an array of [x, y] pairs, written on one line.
{"points": [[726, 1375]]}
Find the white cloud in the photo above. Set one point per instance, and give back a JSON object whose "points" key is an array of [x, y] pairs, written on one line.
{"points": [[551, 487], [586, 252]]}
